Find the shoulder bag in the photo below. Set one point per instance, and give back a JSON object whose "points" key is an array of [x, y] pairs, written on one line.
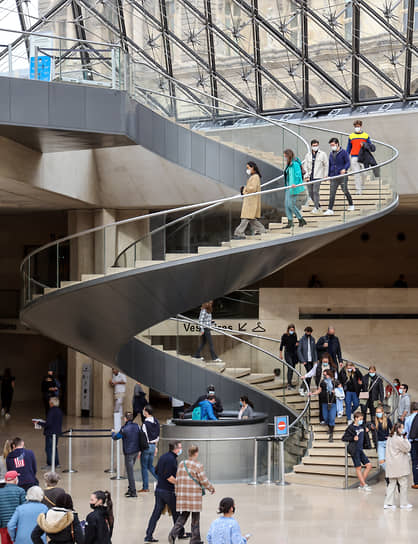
{"points": [[202, 489]]}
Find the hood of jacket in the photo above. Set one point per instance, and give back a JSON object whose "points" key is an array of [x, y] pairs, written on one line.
{"points": [[16, 453], [55, 520]]}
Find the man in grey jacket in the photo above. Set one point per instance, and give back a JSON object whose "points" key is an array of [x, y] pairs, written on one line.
{"points": [[404, 407], [306, 351], [316, 167]]}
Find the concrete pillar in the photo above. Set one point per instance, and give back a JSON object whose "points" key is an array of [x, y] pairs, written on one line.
{"points": [[82, 248], [74, 368]]}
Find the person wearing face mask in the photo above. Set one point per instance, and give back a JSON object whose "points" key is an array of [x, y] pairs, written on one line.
{"points": [[404, 406], [166, 470], [352, 380], [251, 205], [289, 343], [391, 396], [357, 436], [246, 410], [326, 363], [398, 467], [411, 429], [327, 398], [294, 180], [225, 529], [339, 163], [372, 393], [306, 351], [381, 429], [99, 523], [329, 343], [356, 141], [316, 165]]}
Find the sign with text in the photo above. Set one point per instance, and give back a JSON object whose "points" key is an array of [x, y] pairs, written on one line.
{"points": [[281, 426]]}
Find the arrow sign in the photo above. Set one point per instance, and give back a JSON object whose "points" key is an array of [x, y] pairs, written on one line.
{"points": [[242, 327]]}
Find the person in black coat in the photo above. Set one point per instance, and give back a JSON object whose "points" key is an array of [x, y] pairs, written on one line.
{"points": [[328, 401], [99, 523], [352, 381], [60, 524], [373, 387], [52, 425], [357, 436], [329, 343], [139, 401], [366, 157], [289, 343], [306, 351]]}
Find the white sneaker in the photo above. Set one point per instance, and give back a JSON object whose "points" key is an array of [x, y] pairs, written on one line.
{"points": [[217, 360], [366, 488], [329, 212], [389, 507], [316, 210], [199, 358], [406, 506], [310, 202], [351, 208]]}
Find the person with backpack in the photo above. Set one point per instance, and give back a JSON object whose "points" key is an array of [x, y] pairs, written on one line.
{"points": [[328, 400], [151, 428], [134, 441], [411, 429], [206, 410], [99, 523], [217, 407], [357, 436], [60, 524]]}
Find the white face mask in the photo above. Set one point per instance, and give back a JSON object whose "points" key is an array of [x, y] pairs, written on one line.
{"points": [[315, 148], [334, 148], [358, 130], [248, 171]]}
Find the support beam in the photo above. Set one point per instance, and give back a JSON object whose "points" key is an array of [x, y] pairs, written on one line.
{"points": [[80, 31], [305, 55], [408, 53], [257, 58], [355, 64]]}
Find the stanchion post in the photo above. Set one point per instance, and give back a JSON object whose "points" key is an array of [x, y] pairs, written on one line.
{"points": [[54, 452], [346, 466], [269, 464], [70, 469], [118, 475], [282, 471], [111, 470], [254, 481]]}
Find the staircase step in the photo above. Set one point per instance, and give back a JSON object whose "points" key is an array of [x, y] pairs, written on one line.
{"points": [[143, 264], [119, 269], [237, 372], [68, 283], [88, 277], [318, 480], [209, 249], [46, 291], [256, 379], [176, 256], [326, 470]]}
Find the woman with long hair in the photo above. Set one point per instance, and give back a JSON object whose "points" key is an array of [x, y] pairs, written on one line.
{"points": [[327, 398], [60, 524], [246, 408], [205, 321], [398, 467], [293, 179], [251, 205], [289, 343], [99, 523], [225, 529], [381, 427]]}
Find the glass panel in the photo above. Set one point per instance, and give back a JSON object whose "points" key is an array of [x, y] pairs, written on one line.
{"points": [[284, 16]]}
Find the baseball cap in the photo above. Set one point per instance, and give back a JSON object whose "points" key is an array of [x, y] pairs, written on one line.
{"points": [[11, 475]]}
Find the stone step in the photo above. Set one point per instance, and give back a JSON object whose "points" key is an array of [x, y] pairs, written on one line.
{"points": [[255, 379], [46, 291], [325, 470], [209, 249], [64, 284], [88, 277], [177, 256], [118, 270], [237, 372], [144, 264], [320, 480]]}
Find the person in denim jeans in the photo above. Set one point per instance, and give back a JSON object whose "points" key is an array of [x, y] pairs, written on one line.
{"points": [[352, 381], [326, 391], [151, 428], [381, 428]]}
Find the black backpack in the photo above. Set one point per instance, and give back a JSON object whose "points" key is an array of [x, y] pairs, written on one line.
{"points": [[413, 432], [143, 440]]}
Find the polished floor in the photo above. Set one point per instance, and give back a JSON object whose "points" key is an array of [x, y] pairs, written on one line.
{"points": [[293, 514]]}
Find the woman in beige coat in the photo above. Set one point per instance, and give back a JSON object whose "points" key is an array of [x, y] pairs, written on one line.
{"points": [[191, 481], [251, 206], [398, 467]]}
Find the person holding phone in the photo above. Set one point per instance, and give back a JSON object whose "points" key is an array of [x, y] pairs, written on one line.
{"points": [[225, 529], [398, 467]]}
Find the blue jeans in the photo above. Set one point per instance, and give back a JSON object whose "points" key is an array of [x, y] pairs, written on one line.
{"points": [[381, 453], [147, 459], [290, 206], [206, 337], [351, 403], [329, 414], [48, 450]]}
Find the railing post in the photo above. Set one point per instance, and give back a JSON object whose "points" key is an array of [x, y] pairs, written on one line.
{"points": [[113, 68], [269, 463], [70, 469], [36, 62], [54, 452], [118, 475], [111, 470], [10, 58], [281, 480], [346, 466], [254, 481]]}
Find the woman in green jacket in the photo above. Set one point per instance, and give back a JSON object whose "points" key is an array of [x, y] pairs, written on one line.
{"points": [[294, 180]]}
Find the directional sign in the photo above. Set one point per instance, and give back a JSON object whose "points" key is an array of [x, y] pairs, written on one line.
{"points": [[281, 426]]}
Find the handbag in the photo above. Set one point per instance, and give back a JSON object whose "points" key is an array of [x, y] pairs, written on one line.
{"points": [[202, 489]]}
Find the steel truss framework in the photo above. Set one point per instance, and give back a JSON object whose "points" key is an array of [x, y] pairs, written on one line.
{"points": [[270, 55]]}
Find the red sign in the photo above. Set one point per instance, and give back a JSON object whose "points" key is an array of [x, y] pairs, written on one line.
{"points": [[281, 425]]}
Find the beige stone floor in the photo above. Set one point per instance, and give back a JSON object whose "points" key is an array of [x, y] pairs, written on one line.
{"points": [[280, 515]]}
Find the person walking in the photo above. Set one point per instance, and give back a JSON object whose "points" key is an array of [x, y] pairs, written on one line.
{"points": [[306, 352], [23, 461], [225, 529], [398, 467], [316, 166], [328, 400], [381, 428], [251, 205], [7, 390], [294, 181], [133, 442], [99, 523], [357, 436], [166, 470], [411, 429], [151, 428], [24, 519], [317, 372], [356, 141], [330, 343], [139, 401], [11, 496], [372, 393], [60, 524], [118, 382], [404, 406], [339, 163], [50, 387], [352, 381], [205, 321], [52, 426], [51, 490], [191, 482], [289, 343], [246, 410]]}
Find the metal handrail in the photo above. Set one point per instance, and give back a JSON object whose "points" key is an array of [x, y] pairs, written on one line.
{"points": [[185, 319]]}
